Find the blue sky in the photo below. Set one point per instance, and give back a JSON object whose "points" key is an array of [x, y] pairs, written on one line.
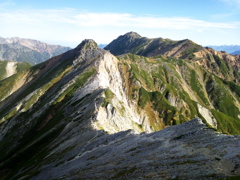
{"points": [[68, 22]]}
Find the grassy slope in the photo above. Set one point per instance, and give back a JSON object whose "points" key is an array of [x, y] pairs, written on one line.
{"points": [[155, 80], [21, 66]]}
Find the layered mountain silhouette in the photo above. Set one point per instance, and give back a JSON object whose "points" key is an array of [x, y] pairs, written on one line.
{"points": [[28, 50], [231, 49], [91, 113], [236, 53]]}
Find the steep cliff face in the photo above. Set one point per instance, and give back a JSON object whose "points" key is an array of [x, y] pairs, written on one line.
{"points": [[56, 118], [28, 50]]}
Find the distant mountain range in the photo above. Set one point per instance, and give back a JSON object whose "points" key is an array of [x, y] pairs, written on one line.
{"points": [[102, 45], [28, 50], [236, 53], [142, 108], [231, 49]]}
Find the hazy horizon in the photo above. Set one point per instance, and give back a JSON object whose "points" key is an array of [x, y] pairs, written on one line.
{"points": [[206, 22]]}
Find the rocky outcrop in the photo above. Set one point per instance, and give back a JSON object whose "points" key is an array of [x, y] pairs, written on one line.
{"points": [[10, 68]]}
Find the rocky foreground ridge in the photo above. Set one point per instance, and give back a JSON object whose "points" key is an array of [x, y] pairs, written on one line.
{"points": [[187, 151], [88, 114]]}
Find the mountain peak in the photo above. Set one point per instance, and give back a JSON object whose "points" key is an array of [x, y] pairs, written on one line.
{"points": [[133, 34], [133, 43], [87, 43]]}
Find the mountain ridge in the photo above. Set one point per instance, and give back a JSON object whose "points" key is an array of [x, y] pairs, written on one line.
{"points": [[215, 61], [133, 43], [72, 115]]}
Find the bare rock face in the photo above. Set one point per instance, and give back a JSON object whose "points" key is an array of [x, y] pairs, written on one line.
{"points": [[10, 68], [187, 151]]}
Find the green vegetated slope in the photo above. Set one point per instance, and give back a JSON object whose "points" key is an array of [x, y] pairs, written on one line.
{"points": [[20, 66], [170, 89], [3, 69]]}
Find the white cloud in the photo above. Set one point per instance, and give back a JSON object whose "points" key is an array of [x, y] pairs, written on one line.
{"points": [[87, 19], [128, 20], [71, 25]]}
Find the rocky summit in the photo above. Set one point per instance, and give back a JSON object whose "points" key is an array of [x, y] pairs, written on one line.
{"points": [[88, 114]]}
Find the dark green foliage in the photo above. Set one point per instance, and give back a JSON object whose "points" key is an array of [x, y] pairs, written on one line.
{"points": [[226, 124], [222, 98], [142, 75], [160, 104], [189, 53], [234, 87], [108, 96], [3, 69], [21, 66], [198, 88], [144, 97], [222, 65], [6, 85]]}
